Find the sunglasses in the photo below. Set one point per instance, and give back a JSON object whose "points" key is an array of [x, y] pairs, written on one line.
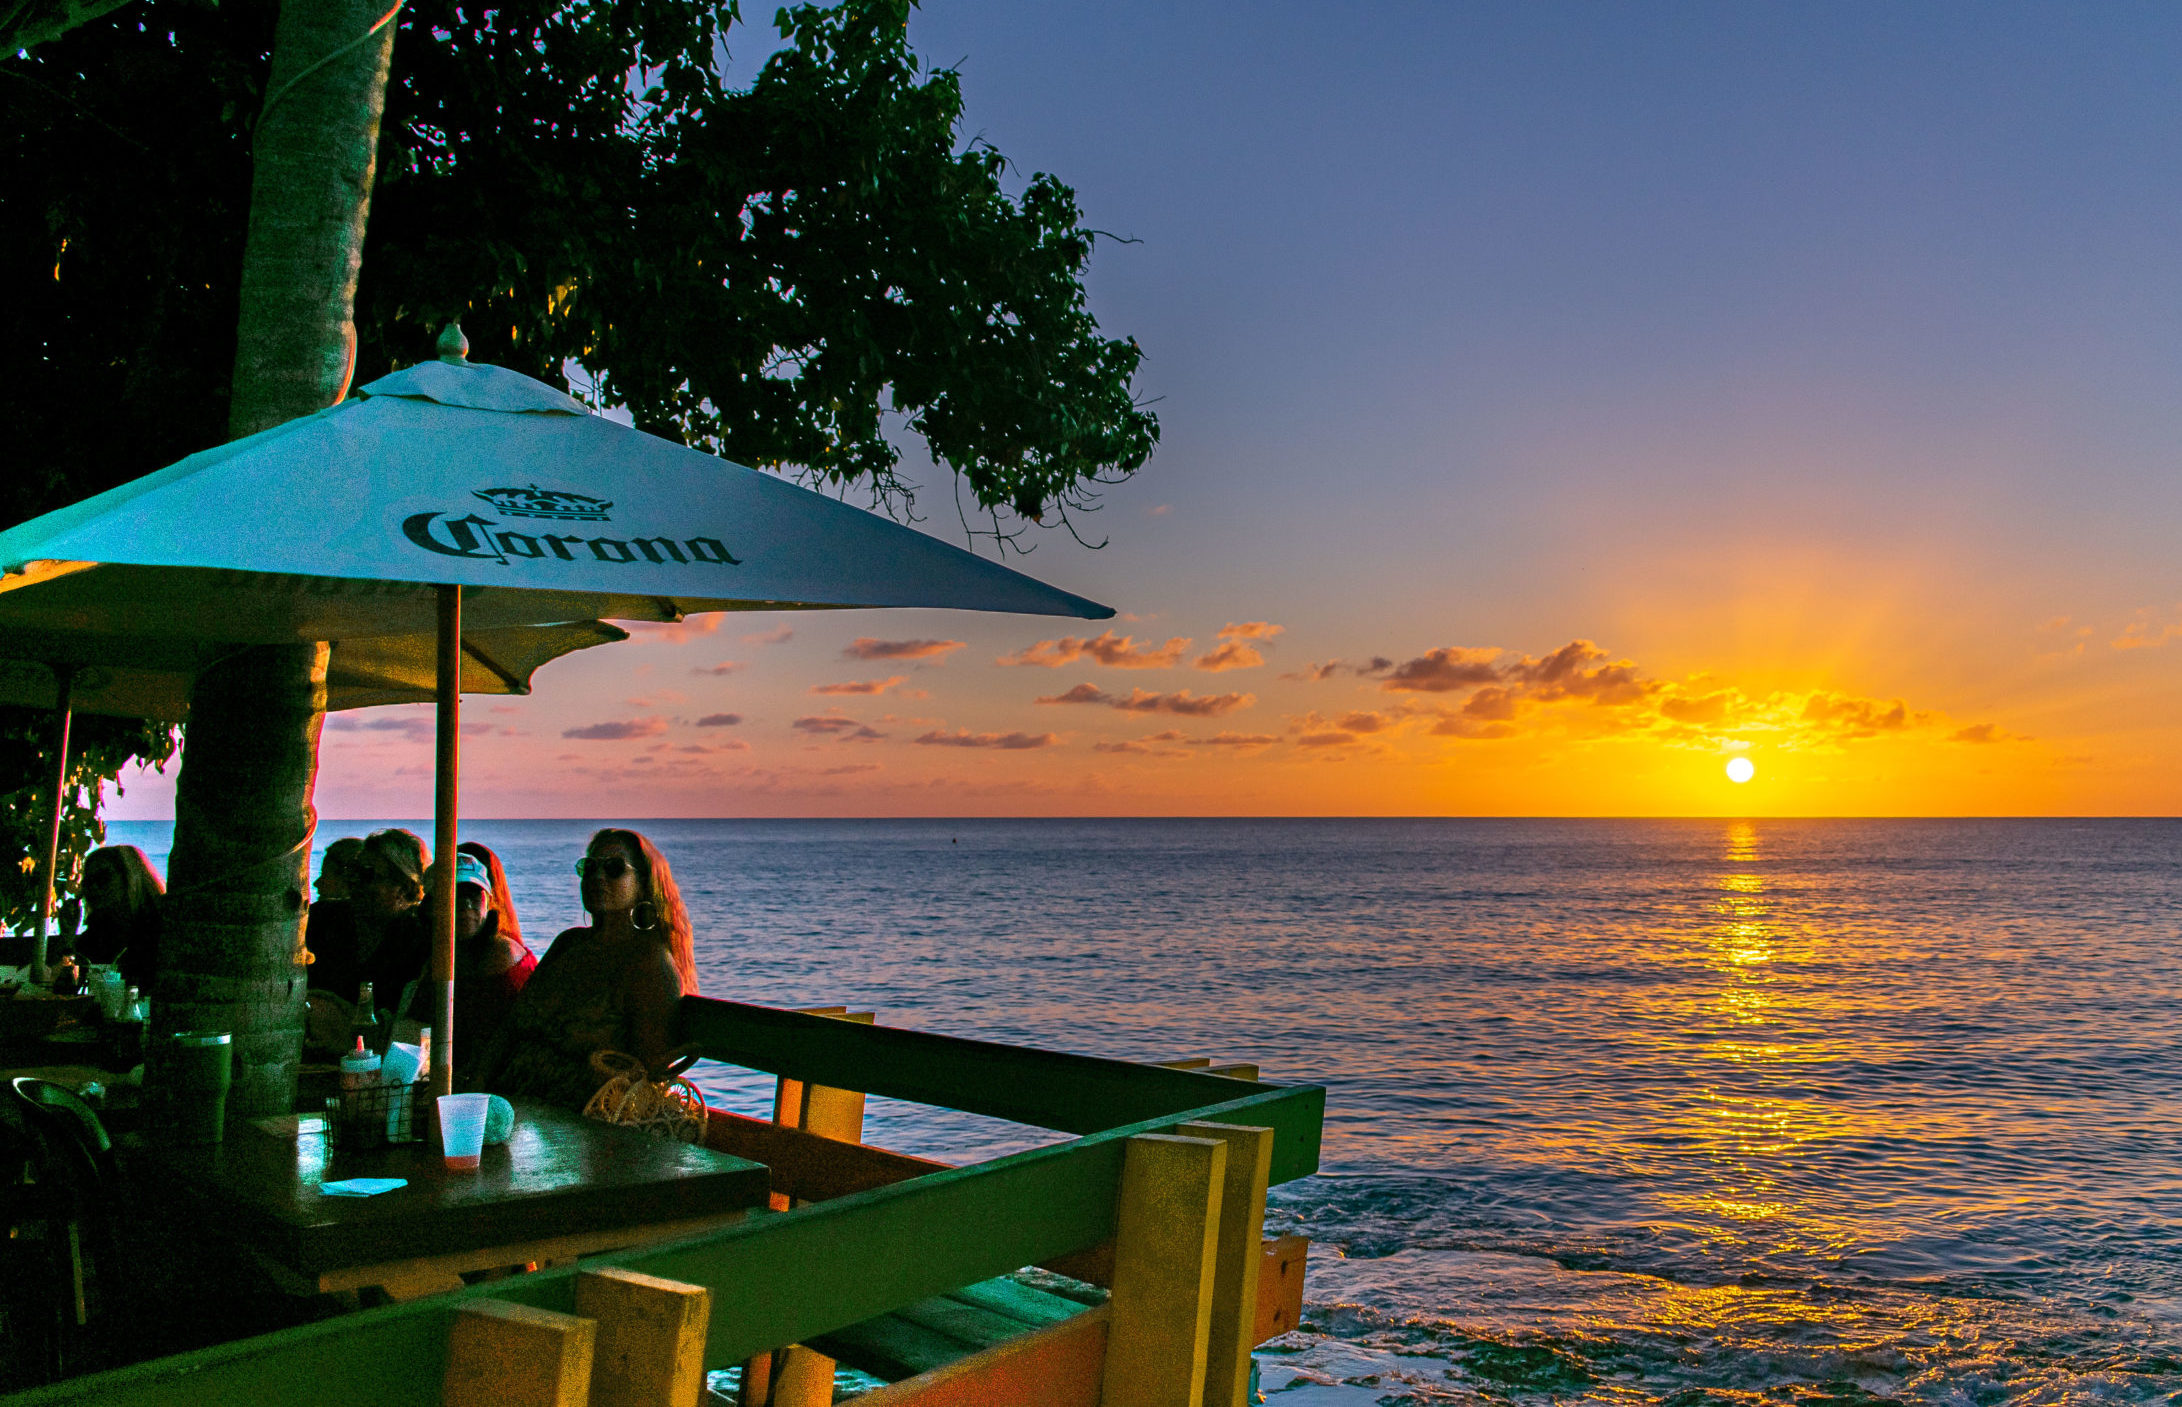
{"points": [[608, 866]]}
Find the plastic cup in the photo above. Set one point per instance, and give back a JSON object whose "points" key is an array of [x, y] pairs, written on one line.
{"points": [[462, 1130], [199, 1069]]}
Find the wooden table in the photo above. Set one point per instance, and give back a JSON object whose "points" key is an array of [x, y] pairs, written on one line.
{"points": [[562, 1186]]}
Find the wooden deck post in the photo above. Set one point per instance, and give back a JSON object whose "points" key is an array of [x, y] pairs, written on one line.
{"points": [[1165, 1247], [1236, 1262], [799, 1376], [511, 1355], [651, 1338]]}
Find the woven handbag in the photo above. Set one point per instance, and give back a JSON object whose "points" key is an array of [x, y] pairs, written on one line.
{"points": [[670, 1108]]}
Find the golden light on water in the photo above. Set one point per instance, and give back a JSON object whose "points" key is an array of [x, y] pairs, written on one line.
{"points": [[1740, 770]]}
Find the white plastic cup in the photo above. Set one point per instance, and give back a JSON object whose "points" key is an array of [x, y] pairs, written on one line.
{"points": [[462, 1130]]}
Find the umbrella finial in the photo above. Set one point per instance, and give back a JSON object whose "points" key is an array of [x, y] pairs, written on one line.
{"points": [[453, 346]]}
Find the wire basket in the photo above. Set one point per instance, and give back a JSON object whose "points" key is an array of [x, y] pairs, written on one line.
{"points": [[375, 1117]]}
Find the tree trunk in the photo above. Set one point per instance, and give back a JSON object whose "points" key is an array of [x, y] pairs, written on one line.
{"points": [[230, 953], [233, 947]]}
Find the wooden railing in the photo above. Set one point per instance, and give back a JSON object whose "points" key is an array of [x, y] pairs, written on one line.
{"points": [[886, 1241]]}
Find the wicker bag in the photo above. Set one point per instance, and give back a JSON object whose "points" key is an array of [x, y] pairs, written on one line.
{"points": [[670, 1108]]}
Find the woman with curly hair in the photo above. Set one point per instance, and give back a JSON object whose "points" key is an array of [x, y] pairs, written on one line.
{"points": [[611, 986]]}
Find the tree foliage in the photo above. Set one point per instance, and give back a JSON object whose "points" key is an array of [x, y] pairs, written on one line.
{"points": [[99, 749], [768, 273], [782, 274]]}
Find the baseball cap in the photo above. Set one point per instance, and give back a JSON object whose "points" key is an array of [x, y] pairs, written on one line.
{"points": [[471, 870]]}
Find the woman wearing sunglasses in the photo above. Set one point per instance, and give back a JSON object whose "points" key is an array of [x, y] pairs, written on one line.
{"points": [[610, 986]]}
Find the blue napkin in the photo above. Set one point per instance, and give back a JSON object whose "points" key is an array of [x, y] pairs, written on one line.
{"points": [[362, 1186]]}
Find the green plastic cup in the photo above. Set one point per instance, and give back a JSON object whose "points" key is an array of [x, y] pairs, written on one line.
{"points": [[200, 1067]]}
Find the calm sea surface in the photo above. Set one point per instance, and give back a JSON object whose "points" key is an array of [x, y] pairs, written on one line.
{"points": [[1673, 1112]]}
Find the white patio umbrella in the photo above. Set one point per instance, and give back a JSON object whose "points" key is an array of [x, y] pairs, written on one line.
{"points": [[450, 494]]}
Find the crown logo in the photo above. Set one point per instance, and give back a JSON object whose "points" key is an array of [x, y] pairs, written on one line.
{"points": [[535, 502]]}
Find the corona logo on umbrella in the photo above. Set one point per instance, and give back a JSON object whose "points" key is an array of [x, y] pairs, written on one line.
{"points": [[476, 536]]}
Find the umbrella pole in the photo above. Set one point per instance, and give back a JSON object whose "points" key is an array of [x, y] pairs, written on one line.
{"points": [[64, 703], [445, 773]]}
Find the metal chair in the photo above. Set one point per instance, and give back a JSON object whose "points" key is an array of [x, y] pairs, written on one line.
{"points": [[69, 1194]]}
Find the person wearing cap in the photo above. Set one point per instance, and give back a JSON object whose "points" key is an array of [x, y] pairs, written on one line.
{"points": [[491, 960]]}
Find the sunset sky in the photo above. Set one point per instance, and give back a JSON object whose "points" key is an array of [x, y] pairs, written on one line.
{"points": [[1558, 401]]}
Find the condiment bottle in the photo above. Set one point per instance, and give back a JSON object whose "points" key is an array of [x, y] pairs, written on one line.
{"points": [[359, 1072]]}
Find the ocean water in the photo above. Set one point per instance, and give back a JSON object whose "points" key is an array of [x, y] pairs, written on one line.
{"points": [[1636, 1112]]}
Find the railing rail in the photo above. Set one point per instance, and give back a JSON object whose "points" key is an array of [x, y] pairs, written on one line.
{"points": [[780, 1278]]}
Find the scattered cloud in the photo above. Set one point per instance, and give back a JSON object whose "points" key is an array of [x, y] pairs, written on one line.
{"points": [[415, 727], [1182, 702], [1006, 742], [1985, 733], [1159, 510], [834, 726], [723, 667], [1160, 744], [1234, 650], [724, 745], [1114, 651], [778, 636], [2146, 632], [866, 648], [673, 632], [617, 730], [719, 720], [1444, 671], [1236, 740], [1333, 669], [859, 686]]}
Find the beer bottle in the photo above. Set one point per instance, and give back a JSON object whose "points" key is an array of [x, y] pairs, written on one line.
{"points": [[365, 1023]]}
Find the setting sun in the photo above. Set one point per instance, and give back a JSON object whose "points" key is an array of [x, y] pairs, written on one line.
{"points": [[1740, 770]]}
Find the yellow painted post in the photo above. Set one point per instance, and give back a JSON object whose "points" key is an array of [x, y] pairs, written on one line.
{"points": [[651, 1338], [1241, 1251], [1165, 1249], [797, 1376], [511, 1355]]}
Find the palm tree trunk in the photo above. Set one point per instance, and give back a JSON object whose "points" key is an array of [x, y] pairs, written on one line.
{"points": [[232, 958]]}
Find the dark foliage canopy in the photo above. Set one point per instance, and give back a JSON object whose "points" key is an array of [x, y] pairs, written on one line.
{"points": [[762, 272], [779, 274]]}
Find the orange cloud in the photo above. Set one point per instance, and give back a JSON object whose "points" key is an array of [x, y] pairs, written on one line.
{"points": [[671, 632], [2146, 633], [723, 667], [719, 720], [859, 686], [866, 648], [778, 636], [1234, 651], [1114, 651]]}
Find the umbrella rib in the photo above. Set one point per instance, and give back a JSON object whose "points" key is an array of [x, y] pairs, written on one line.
{"points": [[515, 685]]}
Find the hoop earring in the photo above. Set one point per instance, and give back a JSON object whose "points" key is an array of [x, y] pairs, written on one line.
{"points": [[648, 926]]}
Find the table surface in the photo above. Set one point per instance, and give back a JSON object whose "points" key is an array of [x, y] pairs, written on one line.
{"points": [[558, 1174]]}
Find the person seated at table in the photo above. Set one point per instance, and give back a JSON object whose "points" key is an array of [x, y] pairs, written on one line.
{"points": [[337, 869], [491, 960], [611, 986], [121, 893], [377, 935]]}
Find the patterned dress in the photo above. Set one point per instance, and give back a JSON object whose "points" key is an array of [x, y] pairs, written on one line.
{"points": [[572, 1006]]}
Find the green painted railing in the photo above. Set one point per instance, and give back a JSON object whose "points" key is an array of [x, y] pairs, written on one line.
{"points": [[781, 1278]]}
